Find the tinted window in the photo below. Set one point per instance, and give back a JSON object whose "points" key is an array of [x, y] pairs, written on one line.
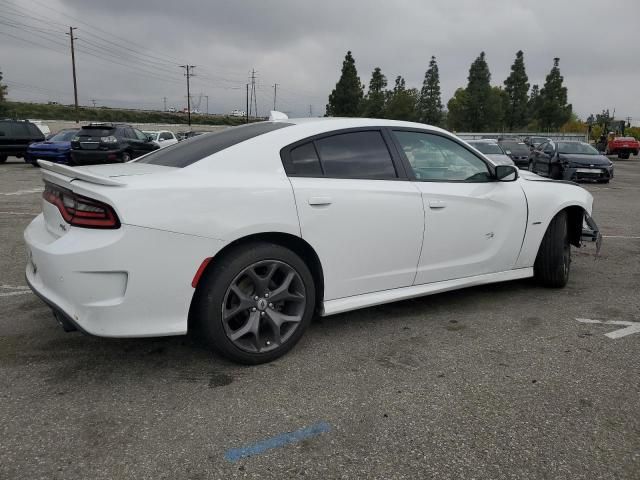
{"points": [[166, 136], [548, 148], [185, 153], [436, 158], [304, 161], [129, 133], [14, 129], [34, 131], [356, 155]]}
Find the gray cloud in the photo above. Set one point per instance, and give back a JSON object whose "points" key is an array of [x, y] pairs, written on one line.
{"points": [[300, 45]]}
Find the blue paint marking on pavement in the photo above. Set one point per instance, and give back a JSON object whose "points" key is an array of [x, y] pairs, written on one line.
{"points": [[235, 454]]}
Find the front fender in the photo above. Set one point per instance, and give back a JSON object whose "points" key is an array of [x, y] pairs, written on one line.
{"points": [[545, 199]]}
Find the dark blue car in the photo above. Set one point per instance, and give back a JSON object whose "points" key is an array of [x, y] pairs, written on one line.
{"points": [[55, 149]]}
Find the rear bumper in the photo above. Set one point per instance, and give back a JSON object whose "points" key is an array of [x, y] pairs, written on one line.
{"points": [[95, 156], [129, 282]]}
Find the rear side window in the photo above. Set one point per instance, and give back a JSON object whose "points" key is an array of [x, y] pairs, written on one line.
{"points": [[34, 131], [305, 161], [356, 155], [190, 151]]}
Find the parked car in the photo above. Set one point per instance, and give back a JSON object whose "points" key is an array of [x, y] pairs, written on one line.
{"points": [[16, 136], [109, 143], [238, 113], [250, 231], [517, 151], [571, 160], [623, 147], [43, 127], [190, 134], [162, 138], [535, 142], [492, 150], [57, 148]]}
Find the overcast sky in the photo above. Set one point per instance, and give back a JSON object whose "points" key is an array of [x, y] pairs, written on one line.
{"points": [[129, 52]]}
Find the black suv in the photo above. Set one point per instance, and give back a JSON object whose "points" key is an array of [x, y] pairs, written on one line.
{"points": [[109, 143], [15, 137]]}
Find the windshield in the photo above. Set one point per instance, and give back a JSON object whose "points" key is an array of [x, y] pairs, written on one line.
{"points": [[577, 148], [516, 148], [487, 148], [64, 136]]}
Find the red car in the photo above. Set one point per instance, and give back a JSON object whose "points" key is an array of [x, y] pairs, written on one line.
{"points": [[623, 147]]}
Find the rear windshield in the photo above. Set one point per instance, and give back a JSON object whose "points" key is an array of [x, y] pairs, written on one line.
{"points": [[516, 148], [95, 132], [64, 136], [194, 149], [487, 148]]}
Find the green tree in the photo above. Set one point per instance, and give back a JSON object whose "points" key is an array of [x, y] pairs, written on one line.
{"points": [[516, 86], [401, 102], [374, 102], [345, 100], [496, 107], [478, 95], [554, 110], [430, 102], [533, 106], [457, 119]]}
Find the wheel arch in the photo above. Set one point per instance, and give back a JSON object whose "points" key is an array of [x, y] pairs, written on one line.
{"points": [[294, 243]]}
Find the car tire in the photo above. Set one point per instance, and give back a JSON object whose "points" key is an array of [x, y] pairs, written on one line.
{"points": [[3, 158], [235, 317], [126, 156], [553, 262], [603, 181], [624, 155]]}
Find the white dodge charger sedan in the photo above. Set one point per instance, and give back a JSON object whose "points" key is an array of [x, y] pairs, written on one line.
{"points": [[244, 235]]}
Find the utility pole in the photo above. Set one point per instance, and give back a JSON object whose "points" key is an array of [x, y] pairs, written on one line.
{"points": [[73, 64], [275, 94], [310, 110], [254, 101], [188, 73], [207, 97], [165, 103], [93, 100], [246, 112]]}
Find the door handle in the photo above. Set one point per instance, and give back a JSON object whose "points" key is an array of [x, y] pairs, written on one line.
{"points": [[437, 204], [320, 201]]}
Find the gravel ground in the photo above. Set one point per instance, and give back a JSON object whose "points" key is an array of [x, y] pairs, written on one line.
{"points": [[492, 382]]}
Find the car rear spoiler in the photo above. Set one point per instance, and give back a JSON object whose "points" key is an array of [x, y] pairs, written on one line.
{"points": [[76, 174]]}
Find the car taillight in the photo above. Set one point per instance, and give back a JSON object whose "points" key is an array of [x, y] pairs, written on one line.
{"points": [[80, 211]]}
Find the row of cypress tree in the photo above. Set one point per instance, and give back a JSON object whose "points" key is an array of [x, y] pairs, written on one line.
{"points": [[478, 107]]}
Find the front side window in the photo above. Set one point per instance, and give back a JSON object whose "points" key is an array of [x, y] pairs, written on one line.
{"points": [[549, 148], [362, 155], [436, 158]]}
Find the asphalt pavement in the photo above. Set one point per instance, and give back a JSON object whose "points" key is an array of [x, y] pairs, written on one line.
{"points": [[493, 382]]}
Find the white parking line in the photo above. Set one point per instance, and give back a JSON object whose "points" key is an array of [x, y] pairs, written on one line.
{"points": [[23, 192], [630, 327], [30, 214], [14, 290]]}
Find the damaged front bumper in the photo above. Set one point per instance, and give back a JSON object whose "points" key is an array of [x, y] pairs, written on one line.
{"points": [[591, 232]]}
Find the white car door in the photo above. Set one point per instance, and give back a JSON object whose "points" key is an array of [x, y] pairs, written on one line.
{"points": [[357, 209], [474, 224]]}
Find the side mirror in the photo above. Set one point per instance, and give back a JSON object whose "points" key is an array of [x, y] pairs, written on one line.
{"points": [[506, 173]]}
